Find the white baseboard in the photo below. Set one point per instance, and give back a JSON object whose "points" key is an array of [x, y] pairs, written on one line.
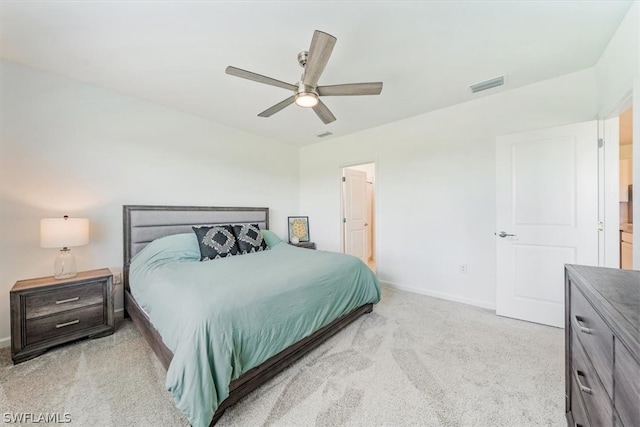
{"points": [[442, 295], [5, 342]]}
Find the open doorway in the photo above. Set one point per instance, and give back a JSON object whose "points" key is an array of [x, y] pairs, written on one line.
{"points": [[357, 196], [626, 189]]}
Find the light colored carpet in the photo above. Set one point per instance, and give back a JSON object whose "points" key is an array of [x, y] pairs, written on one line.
{"points": [[414, 361]]}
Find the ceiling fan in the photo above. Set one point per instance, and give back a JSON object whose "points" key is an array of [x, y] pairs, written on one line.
{"points": [[306, 92]]}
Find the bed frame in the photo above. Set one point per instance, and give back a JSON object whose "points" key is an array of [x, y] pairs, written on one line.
{"points": [[143, 224]]}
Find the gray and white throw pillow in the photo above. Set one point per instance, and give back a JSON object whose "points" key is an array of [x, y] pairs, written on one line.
{"points": [[249, 238], [217, 241]]}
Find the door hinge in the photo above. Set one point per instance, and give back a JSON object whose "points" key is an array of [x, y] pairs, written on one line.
{"points": [[600, 142], [344, 220], [344, 179], [600, 225]]}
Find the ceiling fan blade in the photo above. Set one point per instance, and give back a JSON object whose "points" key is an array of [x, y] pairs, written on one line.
{"points": [[279, 106], [319, 53], [373, 88], [258, 78], [324, 113]]}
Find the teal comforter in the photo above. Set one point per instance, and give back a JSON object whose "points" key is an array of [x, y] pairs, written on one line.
{"points": [[221, 318]]}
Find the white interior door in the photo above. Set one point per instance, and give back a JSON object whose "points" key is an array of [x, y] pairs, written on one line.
{"points": [[356, 235], [547, 216], [370, 221]]}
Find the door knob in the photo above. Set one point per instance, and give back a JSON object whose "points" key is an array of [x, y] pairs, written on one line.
{"points": [[504, 234]]}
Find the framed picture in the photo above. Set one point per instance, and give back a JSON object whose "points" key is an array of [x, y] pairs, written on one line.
{"points": [[299, 228]]}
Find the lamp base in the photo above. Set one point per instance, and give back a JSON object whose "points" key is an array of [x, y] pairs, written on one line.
{"points": [[64, 267]]}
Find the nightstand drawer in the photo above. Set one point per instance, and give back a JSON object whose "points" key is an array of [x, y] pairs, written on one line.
{"points": [[595, 336], [44, 328], [58, 300]]}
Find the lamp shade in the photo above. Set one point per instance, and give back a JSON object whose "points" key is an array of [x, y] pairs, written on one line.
{"points": [[64, 232]]}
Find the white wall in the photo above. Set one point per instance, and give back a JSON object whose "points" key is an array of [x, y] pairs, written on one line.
{"points": [[435, 184], [618, 66], [72, 148], [618, 79]]}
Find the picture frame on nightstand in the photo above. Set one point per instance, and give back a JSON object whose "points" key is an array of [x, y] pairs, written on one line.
{"points": [[298, 229]]}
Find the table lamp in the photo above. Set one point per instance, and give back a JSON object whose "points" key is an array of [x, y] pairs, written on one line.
{"points": [[64, 233]]}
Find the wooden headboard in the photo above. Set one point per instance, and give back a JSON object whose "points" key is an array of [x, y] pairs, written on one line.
{"points": [[143, 224]]}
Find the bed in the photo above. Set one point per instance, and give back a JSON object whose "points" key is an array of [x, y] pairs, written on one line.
{"points": [[147, 228]]}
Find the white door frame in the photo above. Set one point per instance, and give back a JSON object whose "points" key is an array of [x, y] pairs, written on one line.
{"points": [[610, 173], [608, 193], [375, 206]]}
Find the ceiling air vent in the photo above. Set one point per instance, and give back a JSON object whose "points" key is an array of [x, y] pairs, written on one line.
{"points": [[323, 134], [498, 81]]}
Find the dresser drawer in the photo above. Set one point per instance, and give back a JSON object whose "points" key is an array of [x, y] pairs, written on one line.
{"points": [[595, 336], [68, 298], [627, 390], [577, 406], [595, 398], [65, 323]]}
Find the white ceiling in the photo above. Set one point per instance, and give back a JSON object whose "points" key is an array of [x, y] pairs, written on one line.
{"points": [[427, 53]]}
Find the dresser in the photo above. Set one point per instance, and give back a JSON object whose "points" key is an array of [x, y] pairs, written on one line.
{"points": [[46, 312], [602, 337]]}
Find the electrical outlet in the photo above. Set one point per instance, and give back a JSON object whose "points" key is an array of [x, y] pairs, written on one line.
{"points": [[117, 278], [464, 268]]}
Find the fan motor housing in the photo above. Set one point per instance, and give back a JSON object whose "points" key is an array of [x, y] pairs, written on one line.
{"points": [[302, 58]]}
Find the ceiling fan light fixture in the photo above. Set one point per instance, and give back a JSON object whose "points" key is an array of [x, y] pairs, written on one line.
{"points": [[306, 99]]}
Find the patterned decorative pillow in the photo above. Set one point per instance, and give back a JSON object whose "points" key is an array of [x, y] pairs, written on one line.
{"points": [[217, 241], [249, 238]]}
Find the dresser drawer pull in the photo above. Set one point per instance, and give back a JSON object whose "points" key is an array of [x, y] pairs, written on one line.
{"points": [[583, 388], [62, 325], [62, 301], [577, 321]]}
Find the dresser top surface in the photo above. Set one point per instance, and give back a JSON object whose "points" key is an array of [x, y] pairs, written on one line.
{"points": [[617, 291]]}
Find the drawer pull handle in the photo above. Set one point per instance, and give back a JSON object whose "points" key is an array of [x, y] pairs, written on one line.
{"points": [[578, 323], [62, 301], [583, 388], [62, 325]]}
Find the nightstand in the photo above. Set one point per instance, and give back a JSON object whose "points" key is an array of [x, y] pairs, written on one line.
{"points": [[46, 312], [306, 245]]}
